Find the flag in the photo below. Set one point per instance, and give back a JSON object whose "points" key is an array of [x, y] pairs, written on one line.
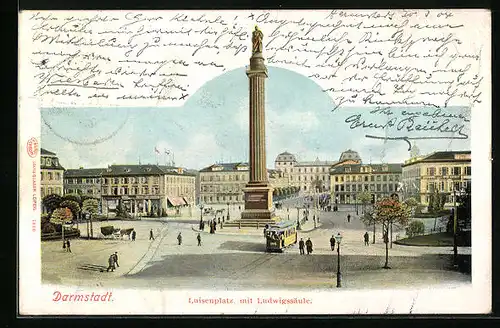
{"points": [[167, 152], [156, 150]]}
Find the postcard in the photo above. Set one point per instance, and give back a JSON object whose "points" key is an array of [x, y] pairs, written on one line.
{"points": [[254, 162]]}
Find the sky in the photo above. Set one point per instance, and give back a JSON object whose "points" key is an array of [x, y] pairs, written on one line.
{"points": [[212, 126]]}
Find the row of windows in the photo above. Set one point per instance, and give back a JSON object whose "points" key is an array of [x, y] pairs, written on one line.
{"points": [[455, 170], [127, 180], [309, 170], [221, 188], [447, 186], [366, 178], [131, 191], [81, 192], [51, 190], [234, 198], [367, 187], [47, 161], [82, 180], [51, 176], [311, 178], [225, 177]]}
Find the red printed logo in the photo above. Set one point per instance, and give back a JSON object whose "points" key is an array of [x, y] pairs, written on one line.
{"points": [[32, 147]]}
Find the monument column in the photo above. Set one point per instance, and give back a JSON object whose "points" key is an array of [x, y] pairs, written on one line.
{"points": [[258, 193]]}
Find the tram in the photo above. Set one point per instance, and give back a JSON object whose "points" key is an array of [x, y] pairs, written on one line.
{"points": [[280, 235]]}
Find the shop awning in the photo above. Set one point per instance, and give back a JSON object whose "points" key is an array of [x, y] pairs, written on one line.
{"points": [[176, 201]]}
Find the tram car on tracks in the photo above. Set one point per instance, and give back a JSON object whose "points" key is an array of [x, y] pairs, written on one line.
{"points": [[281, 235]]}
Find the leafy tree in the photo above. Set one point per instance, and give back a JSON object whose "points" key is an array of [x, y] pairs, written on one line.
{"points": [[72, 205], [411, 202], [51, 202], [431, 206], [61, 215], [416, 227], [369, 220], [388, 211], [91, 206], [365, 198], [74, 197]]}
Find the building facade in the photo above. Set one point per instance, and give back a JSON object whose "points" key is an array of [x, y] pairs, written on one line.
{"points": [[444, 172], [144, 190], [84, 182], [311, 176], [223, 183], [52, 173], [348, 180]]}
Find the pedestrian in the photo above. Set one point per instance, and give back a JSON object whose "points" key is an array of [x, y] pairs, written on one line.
{"points": [[151, 237], [332, 243], [199, 239], [133, 235], [366, 238], [179, 238], [309, 246], [215, 226], [68, 246], [115, 256], [64, 244], [111, 263], [218, 220], [301, 246], [348, 218]]}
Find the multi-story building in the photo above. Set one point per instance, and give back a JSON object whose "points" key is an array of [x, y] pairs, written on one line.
{"points": [[311, 176], [348, 180], [444, 172], [223, 183], [84, 182], [52, 172], [147, 189]]}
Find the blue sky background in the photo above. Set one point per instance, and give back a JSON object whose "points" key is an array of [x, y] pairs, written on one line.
{"points": [[212, 126]]}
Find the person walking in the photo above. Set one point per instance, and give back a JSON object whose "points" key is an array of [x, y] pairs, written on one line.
{"points": [[68, 246], [133, 235], [115, 256], [179, 238], [348, 218], [309, 246], [151, 237], [366, 239], [199, 239], [64, 245], [301, 246], [332, 243], [111, 263]]}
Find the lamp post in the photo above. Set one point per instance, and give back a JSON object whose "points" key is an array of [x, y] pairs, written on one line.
{"points": [[338, 239], [201, 215], [228, 211], [455, 226], [298, 219]]}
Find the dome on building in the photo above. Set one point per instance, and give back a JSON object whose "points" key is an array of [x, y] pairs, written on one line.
{"points": [[350, 154], [286, 157]]}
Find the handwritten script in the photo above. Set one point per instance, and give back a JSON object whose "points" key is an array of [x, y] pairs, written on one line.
{"points": [[379, 59]]}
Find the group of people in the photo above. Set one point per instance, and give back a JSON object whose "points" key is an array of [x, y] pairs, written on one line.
{"points": [[113, 262], [308, 245]]}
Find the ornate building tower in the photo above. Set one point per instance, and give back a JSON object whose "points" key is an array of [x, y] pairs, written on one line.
{"points": [[258, 192]]}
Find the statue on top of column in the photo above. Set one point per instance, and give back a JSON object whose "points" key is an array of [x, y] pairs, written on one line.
{"points": [[257, 37]]}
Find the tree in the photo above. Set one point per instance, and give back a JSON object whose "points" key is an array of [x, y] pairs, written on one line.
{"points": [[73, 206], [60, 216], [411, 203], [90, 206], [389, 211], [51, 202], [369, 219], [416, 227], [74, 197], [364, 197]]}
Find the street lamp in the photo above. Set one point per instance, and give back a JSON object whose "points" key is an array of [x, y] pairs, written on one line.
{"points": [[201, 215], [298, 219], [338, 239], [228, 211], [455, 223]]}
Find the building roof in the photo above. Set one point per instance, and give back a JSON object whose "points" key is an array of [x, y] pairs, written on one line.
{"points": [[317, 162], [441, 156], [286, 157], [54, 164], [376, 168], [349, 154], [226, 167], [147, 169], [83, 173], [45, 152]]}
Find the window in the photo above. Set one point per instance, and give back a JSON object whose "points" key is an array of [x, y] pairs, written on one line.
{"points": [[456, 170], [384, 178], [348, 188], [48, 162], [467, 170], [442, 186], [390, 178], [444, 171], [379, 187], [366, 187], [115, 191], [372, 178], [431, 171], [49, 174], [378, 178], [366, 178], [347, 178], [341, 179], [372, 187], [336, 187], [341, 187], [336, 179]]}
